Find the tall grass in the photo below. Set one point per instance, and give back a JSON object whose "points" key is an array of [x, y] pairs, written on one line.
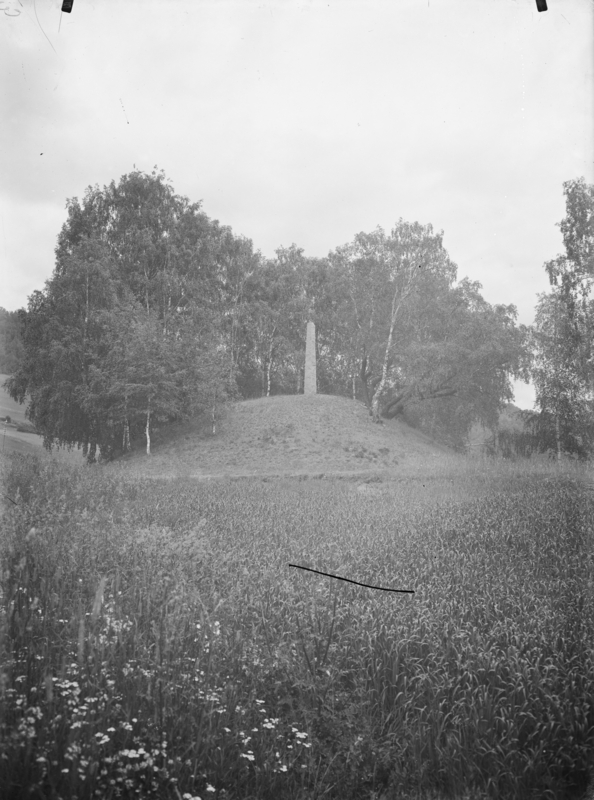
{"points": [[156, 644]]}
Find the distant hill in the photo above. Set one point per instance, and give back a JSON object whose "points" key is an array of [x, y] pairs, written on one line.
{"points": [[287, 434], [13, 440], [10, 407], [18, 436]]}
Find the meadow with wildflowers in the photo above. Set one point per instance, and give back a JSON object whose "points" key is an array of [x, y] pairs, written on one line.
{"points": [[156, 644]]}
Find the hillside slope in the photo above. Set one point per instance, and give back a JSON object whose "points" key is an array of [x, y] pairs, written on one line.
{"points": [[11, 439], [10, 406], [289, 434]]}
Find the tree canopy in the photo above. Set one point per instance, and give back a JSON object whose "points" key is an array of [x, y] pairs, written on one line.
{"points": [[414, 337], [11, 344], [130, 329], [154, 312], [563, 337]]}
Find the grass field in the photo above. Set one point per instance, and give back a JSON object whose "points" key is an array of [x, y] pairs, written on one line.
{"points": [[156, 642]]}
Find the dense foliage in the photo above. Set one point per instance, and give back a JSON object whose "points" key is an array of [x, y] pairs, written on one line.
{"points": [[11, 345], [563, 339], [156, 644], [155, 312], [130, 329]]}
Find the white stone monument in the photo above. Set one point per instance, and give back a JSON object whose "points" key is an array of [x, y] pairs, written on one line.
{"points": [[310, 383]]}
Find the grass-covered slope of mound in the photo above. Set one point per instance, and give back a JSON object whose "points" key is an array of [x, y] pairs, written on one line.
{"points": [[289, 434]]}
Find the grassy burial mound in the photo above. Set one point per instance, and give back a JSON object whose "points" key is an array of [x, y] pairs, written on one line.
{"points": [[156, 644], [289, 435]]}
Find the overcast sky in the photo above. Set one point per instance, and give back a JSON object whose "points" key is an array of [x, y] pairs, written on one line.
{"points": [[304, 122]]}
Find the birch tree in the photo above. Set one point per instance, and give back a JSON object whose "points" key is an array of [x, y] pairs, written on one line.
{"points": [[139, 272], [563, 393], [383, 274], [563, 371]]}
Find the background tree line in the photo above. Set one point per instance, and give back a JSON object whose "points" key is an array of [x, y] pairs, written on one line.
{"points": [[156, 313], [563, 335], [11, 343]]}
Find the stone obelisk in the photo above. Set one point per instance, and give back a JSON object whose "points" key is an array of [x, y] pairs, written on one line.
{"points": [[310, 382]]}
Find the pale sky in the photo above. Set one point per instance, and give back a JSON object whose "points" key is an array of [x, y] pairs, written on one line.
{"points": [[304, 122]]}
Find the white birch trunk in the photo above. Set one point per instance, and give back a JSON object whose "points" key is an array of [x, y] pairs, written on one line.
{"points": [[268, 369], [148, 430], [397, 302], [126, 437], [382, 383]]}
